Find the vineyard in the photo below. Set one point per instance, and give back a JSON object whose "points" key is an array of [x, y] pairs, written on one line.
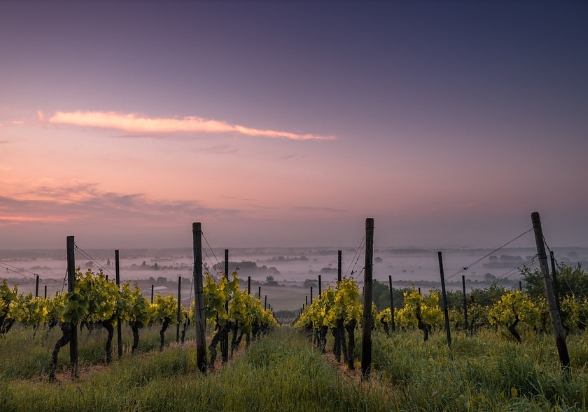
{"points": [[489, 349]]}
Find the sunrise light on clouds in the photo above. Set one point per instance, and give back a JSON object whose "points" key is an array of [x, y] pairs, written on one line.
{"points": [[289, 124], [134, 123]]}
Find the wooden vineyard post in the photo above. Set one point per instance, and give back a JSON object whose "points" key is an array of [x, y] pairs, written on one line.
{"points": [[320, 286], [224, 343], [366, 343], [151, 293], [248, 335], [265, 303], [179, 309], [259, 294], [444, 297], [118, 323], [36, 285], [45, 290], [200, 319], [339, 267], [555, 282], [465, 304], [340, 329], [560, 340], [393, 324], [311, 295], [227, 264], [71, 282]]}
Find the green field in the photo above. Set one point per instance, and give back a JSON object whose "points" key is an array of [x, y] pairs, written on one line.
{"points": [[284, 372]]}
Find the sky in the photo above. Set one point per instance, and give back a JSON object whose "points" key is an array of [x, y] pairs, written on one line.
{"points": [[289, 123]]}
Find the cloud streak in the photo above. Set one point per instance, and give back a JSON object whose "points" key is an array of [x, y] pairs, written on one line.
{"points": [[85, 202], [135, 123]]}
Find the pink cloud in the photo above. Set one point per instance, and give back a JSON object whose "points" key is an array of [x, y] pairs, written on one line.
{"points": [[77, 201], [136, 123]]}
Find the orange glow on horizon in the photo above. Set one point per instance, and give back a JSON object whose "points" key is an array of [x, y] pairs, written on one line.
{"points": [[15, 220]]}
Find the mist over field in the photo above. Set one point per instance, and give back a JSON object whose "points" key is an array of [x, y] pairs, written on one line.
{"points": [[284, 274]]}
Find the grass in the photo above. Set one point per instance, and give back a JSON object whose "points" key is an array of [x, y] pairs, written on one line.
{"points": [[485, 372], [280, 372], [284, 372], [25, 354]]}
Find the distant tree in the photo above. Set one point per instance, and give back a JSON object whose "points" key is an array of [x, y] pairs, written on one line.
{"points": [[270, 281], [571, 281], [381, 295], [488, 296], [455, 299]]}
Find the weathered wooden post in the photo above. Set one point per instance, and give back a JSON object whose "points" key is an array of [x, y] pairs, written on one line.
{"points": [[227, 264], [265, 303], [311, 295], [340, 329], [224, 330], [560, 339], [45, 291], [36, 285], [71, 282], [465, 304], [444, 297], [151, 293], [248, 335], [339, 267], [179, 309], [320, 286], [393, 323], [200, 319], [259, 294], [366, 343], [118, 323], [555, 282]]}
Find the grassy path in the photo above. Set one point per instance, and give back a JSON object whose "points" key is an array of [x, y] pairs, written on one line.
{"points": [[279, 373], [282, 372]]}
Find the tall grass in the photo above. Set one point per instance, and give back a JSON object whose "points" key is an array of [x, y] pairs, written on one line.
{"points": [[485, 372], [26, 354], [283, 372], [279, 373]]}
